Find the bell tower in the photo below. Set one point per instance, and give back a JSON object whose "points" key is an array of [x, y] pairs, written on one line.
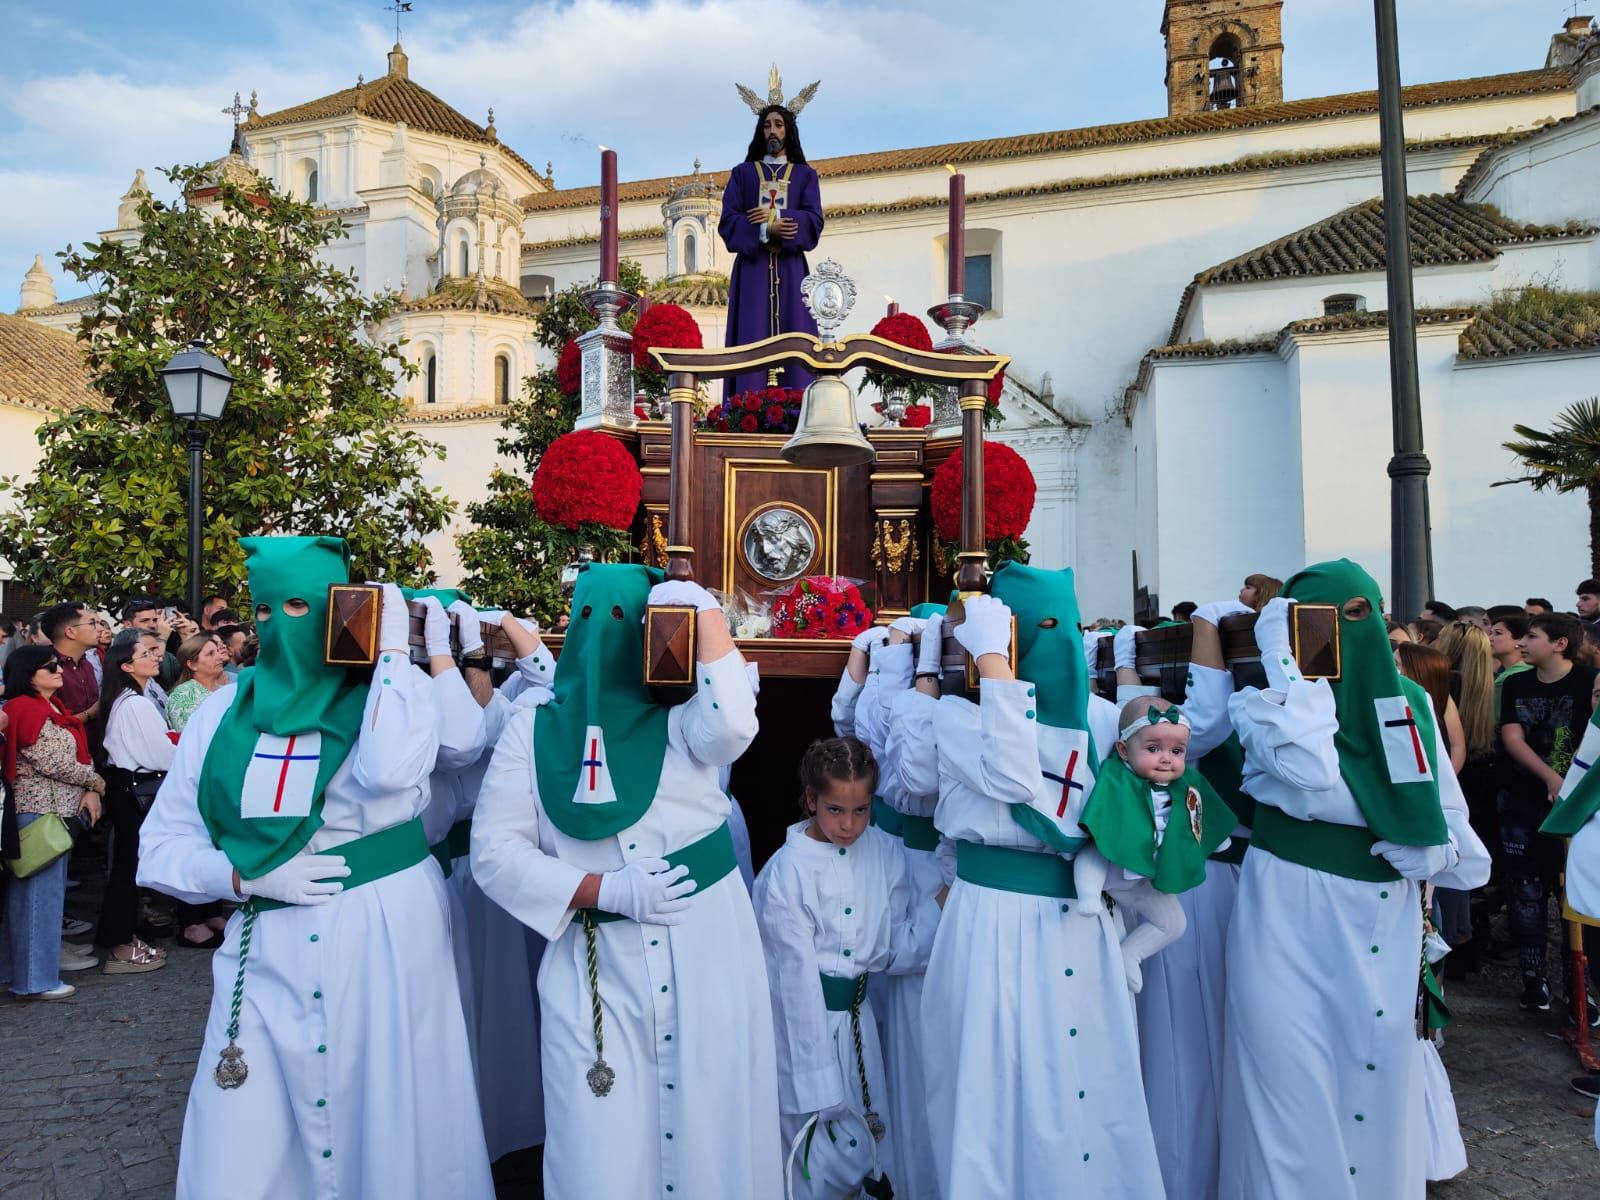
{"points": [[1222, 54]]}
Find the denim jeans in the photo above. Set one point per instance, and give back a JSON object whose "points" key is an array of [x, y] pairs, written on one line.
{"points": [[30, 942]]}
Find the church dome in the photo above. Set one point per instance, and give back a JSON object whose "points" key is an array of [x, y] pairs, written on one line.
{"points": [[480, 181]]}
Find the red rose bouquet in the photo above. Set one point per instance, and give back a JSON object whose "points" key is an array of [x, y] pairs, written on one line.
{"points": [[586, 477], [760, 410], [1008, 494], [569, 369], [903, 329], [820, 606]]}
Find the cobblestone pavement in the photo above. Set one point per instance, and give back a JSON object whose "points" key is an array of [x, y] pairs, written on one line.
{"points": [[92, 1090]]}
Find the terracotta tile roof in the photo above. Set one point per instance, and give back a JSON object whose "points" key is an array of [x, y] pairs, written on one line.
{"points": [[78, 304], [1453, 91], [43, 369], [1481, 164], [1497, 334], [1250, 162], [390, 98], [1443, 230], [708, 291], [1374, 320], [467, 295]]}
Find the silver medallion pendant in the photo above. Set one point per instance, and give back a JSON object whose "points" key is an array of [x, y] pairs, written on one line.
{"points": [[875, 1125], [600, 1078], [231, 1071]]}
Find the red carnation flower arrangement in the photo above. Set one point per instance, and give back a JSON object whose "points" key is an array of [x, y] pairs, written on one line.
{"points": [[992, 414], [908, 330], [917, 416], [584, 478], [820, 606], [1008, 494], [663, 326], [760, 410], [569, 369]]}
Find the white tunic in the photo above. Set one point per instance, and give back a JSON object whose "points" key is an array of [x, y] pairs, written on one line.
{"points": [[1181, 1004], [1322, 1079], [1030, 1053], [1583, 889], [360, 1083], [831, 910], [911, 1165], [687, 1018], [495, 961]]}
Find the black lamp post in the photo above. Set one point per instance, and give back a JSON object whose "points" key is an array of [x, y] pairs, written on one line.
{"points": [[197, 387], [1410, 540]]}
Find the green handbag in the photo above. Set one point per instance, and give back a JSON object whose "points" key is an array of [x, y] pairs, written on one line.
{"points": [[42, 841]]}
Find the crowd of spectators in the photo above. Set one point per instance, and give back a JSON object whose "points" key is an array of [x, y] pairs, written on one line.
{"points": [[92, 712]]}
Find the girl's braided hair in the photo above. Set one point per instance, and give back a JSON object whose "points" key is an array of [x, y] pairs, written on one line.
{"points": [[836, 760]]}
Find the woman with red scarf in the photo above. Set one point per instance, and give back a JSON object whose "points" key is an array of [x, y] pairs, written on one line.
{"points": [[47, 770]]}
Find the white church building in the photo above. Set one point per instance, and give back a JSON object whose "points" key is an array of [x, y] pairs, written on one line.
{"points": [[1193, 303]]}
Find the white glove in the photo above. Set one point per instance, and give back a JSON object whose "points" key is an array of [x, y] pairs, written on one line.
{"points": [[1418, 862], [646, 891], [435, 627], [752, 672], [1122, 648], [1213, 613], [869, 637], [987, 627], [527, 623], [910, 626], [394, 621], [1272, 636], [930, 651], [684, 591], [296, 881], [469, 624]]}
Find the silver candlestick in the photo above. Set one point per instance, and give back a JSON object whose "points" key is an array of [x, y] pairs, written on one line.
{"points": [[958, 315], [606, 352]]}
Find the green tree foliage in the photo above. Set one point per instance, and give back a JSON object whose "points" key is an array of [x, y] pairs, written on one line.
{"points": [[308, 443], [511, 557], [1565, 458]]}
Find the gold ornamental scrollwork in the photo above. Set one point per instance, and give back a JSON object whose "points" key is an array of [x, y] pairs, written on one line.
{"points": [[654, 547], [894, 546]]}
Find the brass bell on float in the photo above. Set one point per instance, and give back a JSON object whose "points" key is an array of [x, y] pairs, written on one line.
{"points": [[827, 434]]}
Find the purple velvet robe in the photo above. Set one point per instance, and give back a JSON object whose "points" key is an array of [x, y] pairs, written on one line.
{"points": [[760, 274]]}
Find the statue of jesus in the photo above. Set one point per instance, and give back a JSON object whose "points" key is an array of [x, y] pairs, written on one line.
{"points": [[771, 215]]}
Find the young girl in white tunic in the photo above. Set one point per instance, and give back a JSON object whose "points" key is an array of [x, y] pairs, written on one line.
{"points": [[834, 904]]}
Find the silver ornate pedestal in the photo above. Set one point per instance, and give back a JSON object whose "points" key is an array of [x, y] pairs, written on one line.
{"points": [[607, 356], [958, 315]]}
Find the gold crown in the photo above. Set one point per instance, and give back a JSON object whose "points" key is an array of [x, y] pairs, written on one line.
{"points": [[775, 94]]}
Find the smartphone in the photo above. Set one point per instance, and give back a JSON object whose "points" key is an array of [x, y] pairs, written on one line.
{"points": [[170, 614]]}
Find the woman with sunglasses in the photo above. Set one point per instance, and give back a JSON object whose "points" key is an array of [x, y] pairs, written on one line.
{"points": [[47, 770]]}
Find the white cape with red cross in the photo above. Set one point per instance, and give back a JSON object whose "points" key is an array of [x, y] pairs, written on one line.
{"points": [[594, 774], [281, 778]]}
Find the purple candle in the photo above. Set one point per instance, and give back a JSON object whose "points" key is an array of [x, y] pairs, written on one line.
{"points": [[958, 231], [894, 308], [608, 215]]}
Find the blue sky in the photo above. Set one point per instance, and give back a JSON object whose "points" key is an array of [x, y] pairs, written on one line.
{"points": [[89, 91]]}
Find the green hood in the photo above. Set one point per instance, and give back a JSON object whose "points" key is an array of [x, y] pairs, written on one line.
{"points": [[1396, 809], [289, 692], [602, 719]]}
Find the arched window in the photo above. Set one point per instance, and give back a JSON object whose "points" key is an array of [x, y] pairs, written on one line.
{"points": [[502, 379], [690, 266], [463, 257], [1225, 91], [431, 371], [311, 186], [1342, 303], [427, 186]]}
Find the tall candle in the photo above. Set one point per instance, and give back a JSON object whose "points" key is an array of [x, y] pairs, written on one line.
{"points": [[958, 233], [643, 306], [894, 308], [608, 215]]}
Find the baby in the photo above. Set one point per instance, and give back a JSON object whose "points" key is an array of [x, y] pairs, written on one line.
{"points": [[1156, 851]]}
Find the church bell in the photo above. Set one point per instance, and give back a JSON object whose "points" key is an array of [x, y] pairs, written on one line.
{"points": [[827, 434]]}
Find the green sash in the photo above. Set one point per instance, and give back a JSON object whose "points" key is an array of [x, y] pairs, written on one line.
{"points": [[709, 860], [1321, 845], [599, 683], [1120, 817], [1224, 771], [289, 691], [1005, 869], [1407, 813]]}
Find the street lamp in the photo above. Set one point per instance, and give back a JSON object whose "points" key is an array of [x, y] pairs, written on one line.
{"points": [[197, 387]]}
